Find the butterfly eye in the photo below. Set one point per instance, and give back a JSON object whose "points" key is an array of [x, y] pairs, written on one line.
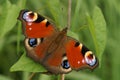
{"points": [[65, 66], [30, 16], [90, 58], [32, 42]]}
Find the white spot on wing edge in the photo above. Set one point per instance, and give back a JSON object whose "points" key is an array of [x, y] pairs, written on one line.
{"points": [[45, 20], [80, 46]]}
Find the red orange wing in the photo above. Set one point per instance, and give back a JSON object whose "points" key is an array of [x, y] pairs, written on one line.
{"points": [[79, 56], [35, 25]]}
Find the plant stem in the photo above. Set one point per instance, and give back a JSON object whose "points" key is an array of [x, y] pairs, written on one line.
{"points": [[62, 76], [31, 76], [69, 14]]}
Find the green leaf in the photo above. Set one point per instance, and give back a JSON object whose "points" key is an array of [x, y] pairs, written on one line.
{"points": [[8, 17], [27, 64], [97, 27], [58, 12], [76, 17], [73, 34], [21, 4], [81, 76], [2, 77], [44, 77]]}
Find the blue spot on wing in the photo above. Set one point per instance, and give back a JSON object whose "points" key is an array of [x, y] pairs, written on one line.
{"points": [[32, 42]]}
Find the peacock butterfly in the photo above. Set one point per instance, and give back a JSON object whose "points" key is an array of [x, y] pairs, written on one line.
{"points": [[52, 48]]}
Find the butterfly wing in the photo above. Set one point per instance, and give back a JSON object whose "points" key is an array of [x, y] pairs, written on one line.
{"points": [[60, 54], [50, 52], [43, 42], [35, 25], [52, 48], [79, 56]]}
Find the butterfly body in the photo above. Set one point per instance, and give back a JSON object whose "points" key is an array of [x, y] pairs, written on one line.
{"points": [[52, 48]]}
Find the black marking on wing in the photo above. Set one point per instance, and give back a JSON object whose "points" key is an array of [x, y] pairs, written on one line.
{"points": [[39, 19], [47, 24], [84, 50], [77, 44], [64, 55], [42, 39]]}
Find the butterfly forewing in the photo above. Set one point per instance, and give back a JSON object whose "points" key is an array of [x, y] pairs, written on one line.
{"points": [[79, 56], [35, 25]]}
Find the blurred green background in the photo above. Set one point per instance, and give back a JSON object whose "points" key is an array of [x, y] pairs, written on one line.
{"points": [[11, 38]]}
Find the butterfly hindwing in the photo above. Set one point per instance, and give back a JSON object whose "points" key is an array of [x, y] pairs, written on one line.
{"points": [[51, 55]]}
